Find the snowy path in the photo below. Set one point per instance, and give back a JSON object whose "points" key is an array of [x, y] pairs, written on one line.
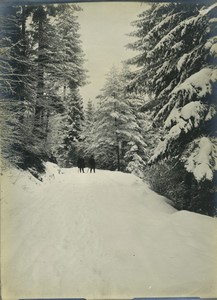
{"points": [[103, 235]]}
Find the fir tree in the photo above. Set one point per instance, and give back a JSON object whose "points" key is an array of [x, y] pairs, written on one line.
{"points": [[116, 137], [19, 89], [89, 113], [176, 67], [61, 74], [35, 73], [87, 130], [67, 75]]}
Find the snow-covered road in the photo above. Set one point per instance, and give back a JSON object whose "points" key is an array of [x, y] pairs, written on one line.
{"points": [[103, 235]]}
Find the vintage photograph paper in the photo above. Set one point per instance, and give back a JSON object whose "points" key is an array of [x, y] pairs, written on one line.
{"points": [[108, 150]]}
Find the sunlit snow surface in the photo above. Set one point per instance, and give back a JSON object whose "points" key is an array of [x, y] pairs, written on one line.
{"points": [[102, 235]]}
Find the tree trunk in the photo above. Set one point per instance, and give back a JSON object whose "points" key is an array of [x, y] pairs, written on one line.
{"points": [[117, 140], [39, 108]]}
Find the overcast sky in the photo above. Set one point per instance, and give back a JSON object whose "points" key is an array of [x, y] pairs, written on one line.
{"points": [[104, 26]]}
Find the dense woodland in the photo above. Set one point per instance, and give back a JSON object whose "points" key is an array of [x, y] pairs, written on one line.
{"points": [[155, 117]]}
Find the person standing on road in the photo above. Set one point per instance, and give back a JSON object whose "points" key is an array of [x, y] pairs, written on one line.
{"points": [[92, 164], [81, 164]]}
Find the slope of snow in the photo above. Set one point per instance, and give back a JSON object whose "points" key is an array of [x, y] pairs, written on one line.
{"points": [[103, 235]]}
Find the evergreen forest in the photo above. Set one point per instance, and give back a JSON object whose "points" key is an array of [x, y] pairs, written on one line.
{"points": [[155, 117]]}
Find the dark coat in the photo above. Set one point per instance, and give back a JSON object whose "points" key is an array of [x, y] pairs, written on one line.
{"points": [[92, 162], [80, 162]]}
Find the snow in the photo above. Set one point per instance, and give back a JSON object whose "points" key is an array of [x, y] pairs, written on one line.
{"points": [[176, 130], [202, 160], [196, 86], [198, 83], [211, 113], [193, 109], [211, 45], [213, 50], [181, 61], [187, 117], [104, 236], [174, 116], [163, 24], [205, 11], [179, 30], [160, 149], [164, 67], [115, 115], [167, 39], [213, 20], [183, 119], [178, 46]]}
